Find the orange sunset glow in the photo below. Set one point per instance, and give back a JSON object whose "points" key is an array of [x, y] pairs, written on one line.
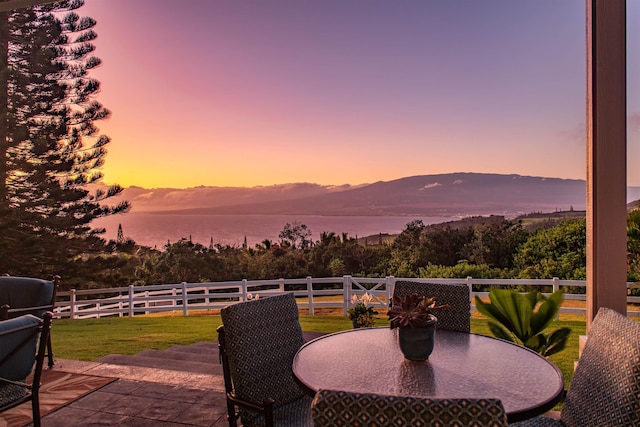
{"points": [[226, 93]]}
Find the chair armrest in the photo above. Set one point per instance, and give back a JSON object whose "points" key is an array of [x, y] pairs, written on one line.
{"points": [[266, 405], [266, 409], [24, 310], [18, 383]]}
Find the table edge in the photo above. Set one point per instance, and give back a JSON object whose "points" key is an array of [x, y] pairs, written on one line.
{"points": [[513, 416]]}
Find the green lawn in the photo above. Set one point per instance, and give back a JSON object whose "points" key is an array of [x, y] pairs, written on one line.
{"points": [[91, 339]]}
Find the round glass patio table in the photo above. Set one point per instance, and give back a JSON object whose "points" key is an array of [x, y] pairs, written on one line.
{"points": [[462, 365]]}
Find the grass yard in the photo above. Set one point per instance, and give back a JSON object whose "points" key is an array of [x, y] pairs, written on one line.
{"points": [[91, 339]]}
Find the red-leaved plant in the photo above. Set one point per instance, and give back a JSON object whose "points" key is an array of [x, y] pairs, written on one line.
{"points": [[414, 311]]}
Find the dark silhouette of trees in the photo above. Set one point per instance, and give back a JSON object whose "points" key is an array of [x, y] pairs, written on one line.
{"points": [[494, 243], [50, 147], [408, 251], [295, 235], [445, 245], [547, 252], [633, 245]]}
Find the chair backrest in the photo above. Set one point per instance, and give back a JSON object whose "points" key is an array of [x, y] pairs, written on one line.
{"points": [[455, 318], [260, 339], [331, 408], [18, 341], [26, 295], [18, 353], [605, 388]]}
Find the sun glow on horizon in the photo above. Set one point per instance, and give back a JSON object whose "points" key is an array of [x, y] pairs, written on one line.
{"points": [[247, 94]]}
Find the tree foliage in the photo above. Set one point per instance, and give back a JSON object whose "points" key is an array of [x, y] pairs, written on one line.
{"points": [[633, 244], [50, 147], [555, 252], [296, 235]]}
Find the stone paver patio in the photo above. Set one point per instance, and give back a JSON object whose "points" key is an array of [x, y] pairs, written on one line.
{"points": [[180, 386]]}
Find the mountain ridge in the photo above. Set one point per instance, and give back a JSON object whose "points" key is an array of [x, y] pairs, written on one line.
{"points": [[460, 193]]}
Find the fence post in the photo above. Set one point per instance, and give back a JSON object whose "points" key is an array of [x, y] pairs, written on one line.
{"points": [[72, 304], [469, 281], [310, 294], [346, 291], [131, 313], [185, 300], [556, 287], [174, 302], [281, 286], [389, 285], [243, 290]]}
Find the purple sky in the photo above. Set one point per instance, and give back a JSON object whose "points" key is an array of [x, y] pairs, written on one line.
{"points": [[244, 93]]}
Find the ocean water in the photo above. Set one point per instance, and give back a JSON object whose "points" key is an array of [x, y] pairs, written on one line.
{"points": [[155, 230]]}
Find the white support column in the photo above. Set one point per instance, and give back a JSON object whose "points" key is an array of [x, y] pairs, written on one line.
{"points": [[606, 156]]}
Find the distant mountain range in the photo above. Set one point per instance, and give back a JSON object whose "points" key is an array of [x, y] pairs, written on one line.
{"points": [[426, 195]]}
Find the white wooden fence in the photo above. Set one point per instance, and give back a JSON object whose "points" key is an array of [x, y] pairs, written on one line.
{"points": [[312, 293]]}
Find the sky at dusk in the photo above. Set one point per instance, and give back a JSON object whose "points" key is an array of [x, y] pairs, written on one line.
{"points": [[255, 92]]}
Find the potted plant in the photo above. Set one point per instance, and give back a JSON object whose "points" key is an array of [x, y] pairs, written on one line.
{"points": [[414, 317], [361, 312], [523, 319]]}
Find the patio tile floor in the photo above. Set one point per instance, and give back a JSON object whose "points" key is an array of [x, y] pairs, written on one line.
{"points": [[149, 396], [140, 403]]}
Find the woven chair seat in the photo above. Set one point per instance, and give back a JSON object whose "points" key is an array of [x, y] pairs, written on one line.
{"points": [[293, 414], [10, 393], [333, 408], [541, 421]]}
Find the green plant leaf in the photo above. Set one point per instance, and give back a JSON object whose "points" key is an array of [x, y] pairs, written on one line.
{"points": [[499, 307], [557, 341], [533, 297], [546, 313], [536, 343], [490, 310], [517, 310], [521, 318], [499, 331]]}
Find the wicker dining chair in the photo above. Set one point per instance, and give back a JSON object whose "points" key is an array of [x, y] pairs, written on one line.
{"points": [[455, 318], [605, 388], [23, 341], [332, 408], [258, 340]]}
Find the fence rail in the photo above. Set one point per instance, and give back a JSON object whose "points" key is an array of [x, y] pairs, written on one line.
{"points": [[312, 293]]}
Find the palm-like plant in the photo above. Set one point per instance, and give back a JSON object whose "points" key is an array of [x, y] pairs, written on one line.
{"points": [[522, 319]]}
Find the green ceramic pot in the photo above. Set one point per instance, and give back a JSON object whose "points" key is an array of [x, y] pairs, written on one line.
{"points": [[417, 343]]}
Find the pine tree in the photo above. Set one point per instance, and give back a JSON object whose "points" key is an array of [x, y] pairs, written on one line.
{"points": [[50, 147], [120, 237]]}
